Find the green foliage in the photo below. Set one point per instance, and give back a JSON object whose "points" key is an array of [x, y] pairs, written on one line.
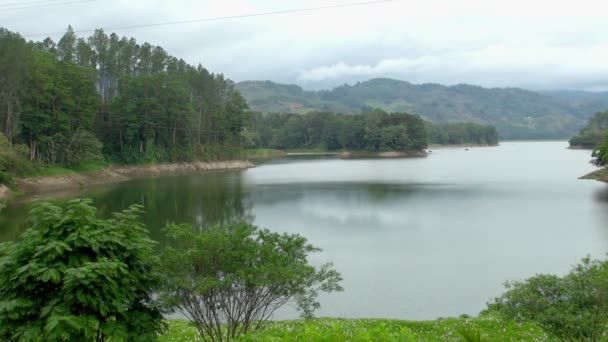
{"points": [[375, 131], [572, 308], [462, 133], [13, 161], [486, 328], [71, 101], [593, 133], [600, 153], [75, 277], [229, 280]]}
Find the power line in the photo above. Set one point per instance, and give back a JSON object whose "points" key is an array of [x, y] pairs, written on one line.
{"points": [[27, 3], [240, 16], [46, 5], [3, 3]]}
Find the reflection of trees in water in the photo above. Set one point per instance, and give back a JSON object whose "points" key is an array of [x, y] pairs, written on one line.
{"points": [[601, 197], [270, 194], [12, 221], [201, 200]]}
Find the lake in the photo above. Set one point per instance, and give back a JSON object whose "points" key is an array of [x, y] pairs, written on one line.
{"points": [[417, 238]]}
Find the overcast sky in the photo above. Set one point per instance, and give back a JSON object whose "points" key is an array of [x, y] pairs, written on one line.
{"points": [[534, 44]]}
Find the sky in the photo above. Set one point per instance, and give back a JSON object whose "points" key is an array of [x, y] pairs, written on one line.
{"points": [[533, 44]]}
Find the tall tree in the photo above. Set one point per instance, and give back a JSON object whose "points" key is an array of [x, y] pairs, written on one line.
{"points": [[66, 48]]}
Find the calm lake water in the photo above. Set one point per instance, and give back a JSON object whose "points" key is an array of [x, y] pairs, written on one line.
{"points": [[414, 238]]}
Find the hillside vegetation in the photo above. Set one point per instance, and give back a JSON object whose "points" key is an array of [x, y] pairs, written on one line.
{"points": [[590, 135], [516, 113], [109, 97]]}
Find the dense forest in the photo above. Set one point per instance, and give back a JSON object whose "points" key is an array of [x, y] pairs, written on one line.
{"points": [[61, 100], [516, 113], [590, 135], [373, 131]]}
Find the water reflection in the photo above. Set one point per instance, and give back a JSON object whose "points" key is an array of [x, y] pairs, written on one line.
{"points": [[215, 198]]}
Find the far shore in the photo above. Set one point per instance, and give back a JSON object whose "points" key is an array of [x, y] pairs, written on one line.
{"points": [[440, 146], [579, 147], [116, 174]]}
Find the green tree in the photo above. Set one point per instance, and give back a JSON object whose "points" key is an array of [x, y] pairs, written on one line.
{"points": [[230, 279], [75, 277], [66, 48], [394, 138], [600, 153], [573, 307], [15, 68]]}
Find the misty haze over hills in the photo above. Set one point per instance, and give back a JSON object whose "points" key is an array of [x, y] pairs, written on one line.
{"points": [[517, 113]]}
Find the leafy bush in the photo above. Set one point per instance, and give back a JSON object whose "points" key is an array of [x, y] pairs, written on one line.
{"points": [[573, 307], [75, 277], [13, 161], [229, 280]]}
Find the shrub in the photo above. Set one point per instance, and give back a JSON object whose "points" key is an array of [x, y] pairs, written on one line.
{"points": [[573, 307], [75, 277], [230, 279]]}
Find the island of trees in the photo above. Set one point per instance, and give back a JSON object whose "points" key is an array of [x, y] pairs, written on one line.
{"points": [[374, 131]]}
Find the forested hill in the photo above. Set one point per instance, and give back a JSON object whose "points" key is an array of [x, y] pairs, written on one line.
{"points": [[517, 113], [111, 97]]}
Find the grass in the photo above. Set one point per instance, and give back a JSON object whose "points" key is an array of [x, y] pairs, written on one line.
{"points": [[486, 328]]}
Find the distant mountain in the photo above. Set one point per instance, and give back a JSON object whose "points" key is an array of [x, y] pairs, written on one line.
{"points": [[517, 113]]}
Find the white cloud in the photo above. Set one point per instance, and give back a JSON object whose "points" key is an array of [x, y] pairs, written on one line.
{"points": [[536, 44]]}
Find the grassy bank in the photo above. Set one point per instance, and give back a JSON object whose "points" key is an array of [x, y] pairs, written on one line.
{"points": [[338, 330]]}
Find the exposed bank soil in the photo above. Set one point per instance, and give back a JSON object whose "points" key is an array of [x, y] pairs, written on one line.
{"points": [[600, 175], [116, 174]]}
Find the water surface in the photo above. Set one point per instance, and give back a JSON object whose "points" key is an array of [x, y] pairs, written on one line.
{"points": [[414, 238]]}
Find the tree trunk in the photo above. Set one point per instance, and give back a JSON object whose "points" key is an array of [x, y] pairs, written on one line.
{"points": [[9, 119], [174, 130]]}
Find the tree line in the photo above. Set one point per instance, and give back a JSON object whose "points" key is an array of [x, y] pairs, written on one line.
{"points": [[375, 131], [62, 100]]}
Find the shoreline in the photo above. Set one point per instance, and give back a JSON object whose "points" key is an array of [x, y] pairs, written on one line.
{"points": [[600, 175], [117, 174], [580, 147], [384, 154], [440, 146]]}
